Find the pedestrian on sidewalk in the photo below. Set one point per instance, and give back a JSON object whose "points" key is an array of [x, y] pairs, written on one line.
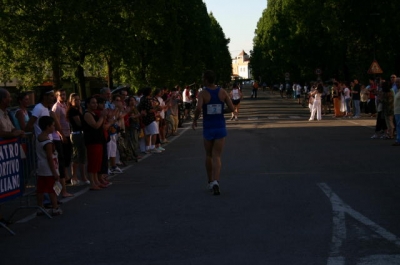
{"points": [[380, 125], [211, 101], [94, 138], [63, 145], [397, 113], [255, 89], [388, 109], [47, 172], [281, 90], [372, 104], [336, 93], [347, 98], [7, 129], [316, 107], [356, 99], [75, 118], [21, 115], [298, 92]]}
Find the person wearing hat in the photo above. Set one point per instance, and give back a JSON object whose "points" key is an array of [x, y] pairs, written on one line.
{"points": [[43, 108], [46, 101]]}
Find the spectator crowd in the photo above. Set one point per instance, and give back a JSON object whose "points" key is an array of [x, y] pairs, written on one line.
{"points": [[83, 143], [378, 99]]}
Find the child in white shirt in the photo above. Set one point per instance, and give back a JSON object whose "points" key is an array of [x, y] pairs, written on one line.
{"points": [[47, 169]]}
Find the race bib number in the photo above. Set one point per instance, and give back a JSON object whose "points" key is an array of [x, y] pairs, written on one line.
{"points": [[214, 109]]}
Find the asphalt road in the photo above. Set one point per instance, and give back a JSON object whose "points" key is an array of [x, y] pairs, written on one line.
{"points": [[292, 192]]}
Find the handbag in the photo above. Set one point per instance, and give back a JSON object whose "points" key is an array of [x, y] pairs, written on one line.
{"points": [[141, 134]]}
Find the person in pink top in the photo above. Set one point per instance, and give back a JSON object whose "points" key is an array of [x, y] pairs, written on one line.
{"points": [[62, 143]]}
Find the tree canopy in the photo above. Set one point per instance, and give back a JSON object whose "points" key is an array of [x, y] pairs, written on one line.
{"points": [[340, 37], [135, 42]]}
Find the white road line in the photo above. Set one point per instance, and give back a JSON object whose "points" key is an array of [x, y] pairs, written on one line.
{"points": [[339, 233]]}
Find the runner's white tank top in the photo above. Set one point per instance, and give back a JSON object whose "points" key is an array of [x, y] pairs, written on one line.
{"points": [[235, 94]]}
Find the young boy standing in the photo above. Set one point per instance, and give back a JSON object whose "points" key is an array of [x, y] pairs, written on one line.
{"points": [[47, 169]]}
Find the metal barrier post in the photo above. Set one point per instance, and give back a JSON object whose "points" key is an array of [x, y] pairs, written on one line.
{"points": [[27, 150], [29, 163], [7, 228]]}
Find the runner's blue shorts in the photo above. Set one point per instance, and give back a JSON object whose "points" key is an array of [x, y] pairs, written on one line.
{"points": [[213, 134]]}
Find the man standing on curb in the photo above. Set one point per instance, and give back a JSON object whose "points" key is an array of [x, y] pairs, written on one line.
{"points": [[395, 88], [255, 89], [212, 100], [356, 99], [397, 113]]}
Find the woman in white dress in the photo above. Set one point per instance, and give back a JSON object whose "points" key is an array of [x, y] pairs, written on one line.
{"points": [[316, 107], [347, 98]]}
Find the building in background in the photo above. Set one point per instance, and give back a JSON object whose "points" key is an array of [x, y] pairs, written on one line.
{"points": [[240, 66]]}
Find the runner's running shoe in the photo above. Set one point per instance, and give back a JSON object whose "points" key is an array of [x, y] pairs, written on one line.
{"points": [[214, 187]]}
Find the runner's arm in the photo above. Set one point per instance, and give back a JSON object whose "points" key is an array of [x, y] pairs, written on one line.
{"points": [[197, 111]]}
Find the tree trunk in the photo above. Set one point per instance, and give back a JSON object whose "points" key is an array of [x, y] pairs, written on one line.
{"points": [[80, 74], [110, 74], [56, 73]]}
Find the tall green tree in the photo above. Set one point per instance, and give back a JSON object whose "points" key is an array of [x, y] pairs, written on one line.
{"points": [[30, 33], [219, 56], [340, 37], [132, 42]]}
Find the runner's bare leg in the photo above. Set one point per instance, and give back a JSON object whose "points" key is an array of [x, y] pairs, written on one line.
{"points": [[213, 158]]}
